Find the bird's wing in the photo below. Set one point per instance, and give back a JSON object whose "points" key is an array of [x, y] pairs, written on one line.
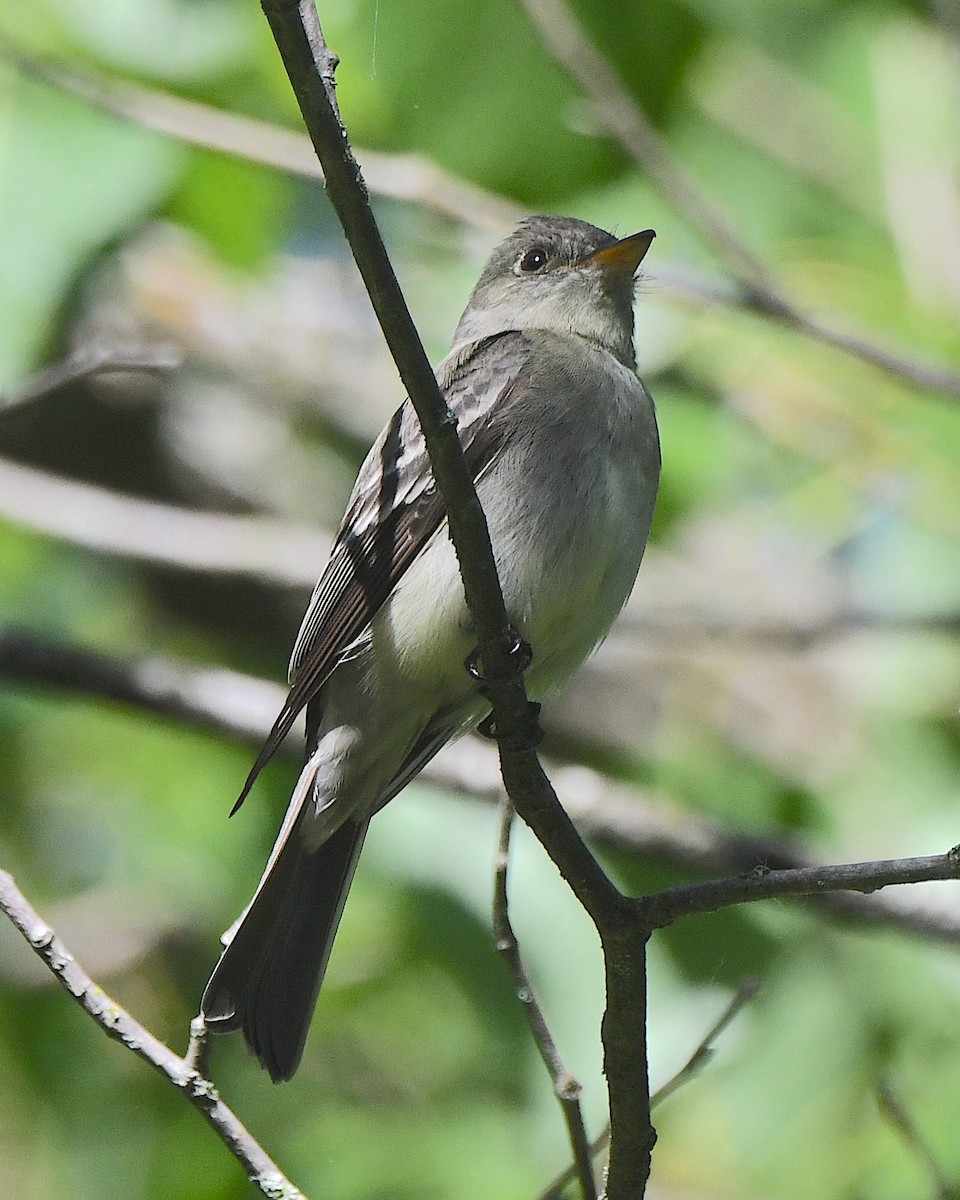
{"points": [[393, 511]]}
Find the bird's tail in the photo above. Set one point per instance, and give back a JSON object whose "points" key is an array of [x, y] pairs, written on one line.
{"points": [[267, 980]]}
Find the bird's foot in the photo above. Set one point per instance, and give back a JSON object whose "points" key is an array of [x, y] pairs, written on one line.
{"points": [[520, 651]]}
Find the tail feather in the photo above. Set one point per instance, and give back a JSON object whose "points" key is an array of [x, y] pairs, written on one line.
{"points": [[269, 975]]}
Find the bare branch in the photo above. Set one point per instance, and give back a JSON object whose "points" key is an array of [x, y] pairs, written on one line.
{"points": [[118, 1024], [747, 991], [662, 908], [566, 1088]]}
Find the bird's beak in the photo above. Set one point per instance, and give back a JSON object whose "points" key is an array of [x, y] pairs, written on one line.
{"points": [[622, 258]]}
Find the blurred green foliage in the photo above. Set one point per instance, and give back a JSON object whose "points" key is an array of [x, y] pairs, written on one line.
{"points": [[801, 487]]}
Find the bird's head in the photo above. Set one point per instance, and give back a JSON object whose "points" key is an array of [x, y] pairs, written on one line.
{"points": [[561, 275]]}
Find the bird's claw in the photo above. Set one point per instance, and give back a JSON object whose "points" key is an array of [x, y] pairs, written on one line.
{"points": [[527, 738]]}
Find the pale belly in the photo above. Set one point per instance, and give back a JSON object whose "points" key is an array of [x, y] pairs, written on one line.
{"points": [[563, 582]]}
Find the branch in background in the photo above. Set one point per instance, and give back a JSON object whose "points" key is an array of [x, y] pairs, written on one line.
{"points": [[113, 523], [417, 180], [565, 1087], [88, 361], [698, 289], [892, 1108], [118, 1024], [619, 818], [568, 43], [144, 529], [214, 699], [407, 177], [280, 552], [618, 112], [285, 554]]}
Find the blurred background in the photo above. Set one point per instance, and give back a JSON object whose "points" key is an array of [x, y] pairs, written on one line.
{"points": [[782, 686]]}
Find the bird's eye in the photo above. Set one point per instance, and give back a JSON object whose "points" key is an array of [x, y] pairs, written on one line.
{"points": [[531, 261]]}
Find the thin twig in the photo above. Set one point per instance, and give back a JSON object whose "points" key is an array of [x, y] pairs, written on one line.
{"points": [[409, 177], [197, 1057], [88, 361], [566, 1088], [693, 1066], [118, 1024], [892, 1108], [746, 992]]}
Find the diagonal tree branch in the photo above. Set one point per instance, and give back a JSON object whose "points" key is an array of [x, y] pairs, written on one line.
{"points": [[118, 1024], [736, 294], [893, 1109], [88, 361], [755, 290], [310, 65], [409, 177]]}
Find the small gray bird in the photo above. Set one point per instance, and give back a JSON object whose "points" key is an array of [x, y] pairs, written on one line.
{"points": [[561, 438]]}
